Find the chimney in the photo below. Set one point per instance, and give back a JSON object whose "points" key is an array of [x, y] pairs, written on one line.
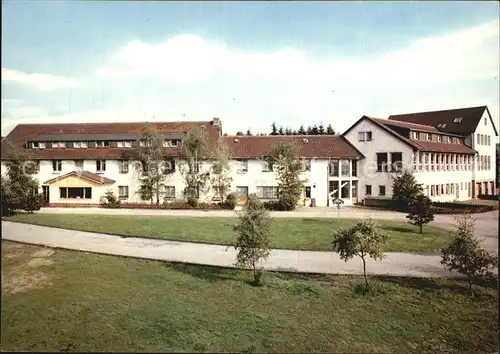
{"points": [[236, 140], [305, 140], [216, 121]]}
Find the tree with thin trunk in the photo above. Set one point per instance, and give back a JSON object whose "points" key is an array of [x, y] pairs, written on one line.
{"points": [[364, 239], [153, 169], [196, 148], [465, 255], [309, 130], [219, 177], [420, 211], [252, 242]]}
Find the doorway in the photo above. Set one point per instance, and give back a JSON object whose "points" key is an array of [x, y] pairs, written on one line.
{"points": [[46, 195], [241, 195]]}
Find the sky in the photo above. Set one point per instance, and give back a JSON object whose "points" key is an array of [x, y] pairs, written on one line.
{"points": [[247, 63]]}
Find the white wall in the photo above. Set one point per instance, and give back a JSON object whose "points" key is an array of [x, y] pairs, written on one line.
{"points": [[382, 141], [486, 129]]}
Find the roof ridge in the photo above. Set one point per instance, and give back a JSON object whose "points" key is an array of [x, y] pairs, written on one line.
{"points": [[438, 111]]}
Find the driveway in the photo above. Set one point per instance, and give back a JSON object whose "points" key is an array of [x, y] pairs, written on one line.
{"points": [[395, 264], [486, 223]]}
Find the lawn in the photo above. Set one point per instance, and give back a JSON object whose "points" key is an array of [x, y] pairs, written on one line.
{"points": [[106, 303], [287, 233]]}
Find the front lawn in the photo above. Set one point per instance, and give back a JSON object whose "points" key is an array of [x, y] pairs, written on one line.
{"points": [[106, 303], [288, 233]]}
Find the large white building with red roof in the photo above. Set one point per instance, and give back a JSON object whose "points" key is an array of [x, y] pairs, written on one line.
{"points": [[452, 154]]}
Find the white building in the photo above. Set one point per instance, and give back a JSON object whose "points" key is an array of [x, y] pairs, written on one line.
{"points": [[76, 164], [452, 153]]}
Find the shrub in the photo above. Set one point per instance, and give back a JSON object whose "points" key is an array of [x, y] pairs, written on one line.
{"points": [[33, 203], [465, 255], [230, 202], [192, 201], [109, 200]]}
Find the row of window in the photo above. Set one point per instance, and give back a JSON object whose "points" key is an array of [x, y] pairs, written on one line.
{"points": [[100, 144], [438, 137], [483, 139], [395, 164], [484, 163], [346, 168], [426, 161], [448, 189]]}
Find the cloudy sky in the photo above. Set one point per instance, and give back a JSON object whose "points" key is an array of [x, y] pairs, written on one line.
{"points": [[249, 63]]}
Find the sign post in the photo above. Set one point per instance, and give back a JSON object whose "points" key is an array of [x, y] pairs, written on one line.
{"points": [[338, 202]]}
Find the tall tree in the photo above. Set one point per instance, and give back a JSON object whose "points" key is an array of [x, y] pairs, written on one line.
{"points": [[301, 130], [329, 130], [281, 131], [294, 132], [321, 129], [315, 130], [274, 130], [153, 170], [405, 189], [253, 239], [288, 131], [309, 130], [239, 133], [420, 211], [249, 132], [288, 168], [220, 179], [196, 148]]}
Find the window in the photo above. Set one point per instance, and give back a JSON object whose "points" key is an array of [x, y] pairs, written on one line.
{"points": [[445, 139], [38, 145], [488, 162], [79, 165], [308, 192], [59, 145], [442, 189], [344, 190], [381, 162], [102, 144], [171, 143], [344, 168], [478, 139], [416, 135], [145, 143], [306, 165], [365, 136], [420, 160], [455, 157], [447, 188], [354, 189], [267, 166], [120, 144], [433, 190], [440, 138], [169, 167], [432, 161], [457, 120], [368, 189], [396, 161], [101, 165], [485, 121], [56, 165], [333, 168], [84, 144], [128, 144], [488, 140], [354, 167], [243, 166], [461, 186], [123, 166], [75, 193], [266, 192], [381, 191], [123, 192], [170, 192]]}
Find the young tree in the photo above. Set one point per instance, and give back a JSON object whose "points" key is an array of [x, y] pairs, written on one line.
{"points": [[252, 242], [405, 189], [465, 255], [302, 131], [19, 188], [364, 239], [420, 211], [195, 149], [329, 130], [220, 179], [288, 168], [321, 129], [152, 171], [274, 130], [281, 131]]}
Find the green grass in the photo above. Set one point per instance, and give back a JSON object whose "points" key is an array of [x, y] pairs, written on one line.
{"points": [[107, 303], [287, 233]]}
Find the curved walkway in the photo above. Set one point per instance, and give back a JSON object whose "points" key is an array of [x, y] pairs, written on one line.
{"points": [[395, 264]]}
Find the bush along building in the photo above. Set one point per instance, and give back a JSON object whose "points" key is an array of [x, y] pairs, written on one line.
{"points": [[452, 154]]}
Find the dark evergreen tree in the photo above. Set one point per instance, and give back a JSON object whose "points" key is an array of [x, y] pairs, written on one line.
{"points": [[301, 131], [315, 130], [249, 132], [309, 131], [274, 131], [281, 131], [329, 130], [239, 133], [321, 129]]}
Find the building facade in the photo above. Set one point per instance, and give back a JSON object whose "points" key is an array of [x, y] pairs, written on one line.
{"points": [[452, 154]]}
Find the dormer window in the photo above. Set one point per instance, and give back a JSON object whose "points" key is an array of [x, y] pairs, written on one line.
{"points": [[101, 144], [428, 136], [445, 139], [120, 144], [416, 135], [171, 143], [128, 144], [38, 145], [59, 145], [457, 120], [440, 138], [442, 125]]}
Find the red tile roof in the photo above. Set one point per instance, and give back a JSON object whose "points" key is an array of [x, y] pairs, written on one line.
{"points": [[85, 175], [26, 132], [308, 146], [470, 119], [410, 126]]}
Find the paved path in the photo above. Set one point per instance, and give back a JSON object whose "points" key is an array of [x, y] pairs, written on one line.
{"points": [[396, 264], [486, 223]]}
